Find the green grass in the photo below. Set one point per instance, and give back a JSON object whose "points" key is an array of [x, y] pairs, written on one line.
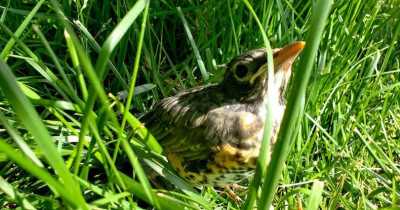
{"points": [[70, 69]]}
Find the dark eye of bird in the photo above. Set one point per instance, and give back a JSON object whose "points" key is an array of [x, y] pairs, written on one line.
{"points": [[241, 71]]}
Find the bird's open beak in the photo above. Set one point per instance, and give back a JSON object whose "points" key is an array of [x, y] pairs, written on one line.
{"points": [[283, 59]]}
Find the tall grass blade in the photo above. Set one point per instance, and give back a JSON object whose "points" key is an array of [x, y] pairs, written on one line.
{"points": [[264, 156], [295, 99], [196, 52]]}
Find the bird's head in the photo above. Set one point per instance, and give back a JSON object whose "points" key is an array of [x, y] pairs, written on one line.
{"points": [[246, 75]]}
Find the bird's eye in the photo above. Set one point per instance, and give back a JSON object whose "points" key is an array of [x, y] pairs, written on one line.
{"points": [[241, 71]]}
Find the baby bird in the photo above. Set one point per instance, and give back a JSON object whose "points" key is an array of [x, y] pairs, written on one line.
{"points": [[212, 134]]}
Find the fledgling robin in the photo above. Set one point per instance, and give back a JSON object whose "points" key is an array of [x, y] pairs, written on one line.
{"points": [[212, 134]]}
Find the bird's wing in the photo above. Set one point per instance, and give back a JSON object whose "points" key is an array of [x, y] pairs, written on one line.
{"points": [[193, 123], [176, 121]]}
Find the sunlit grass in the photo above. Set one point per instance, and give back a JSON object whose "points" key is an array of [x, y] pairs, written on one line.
{"points": [[70, 69]]}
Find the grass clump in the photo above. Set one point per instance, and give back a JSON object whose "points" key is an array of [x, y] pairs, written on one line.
{"points": [[71, 70]]}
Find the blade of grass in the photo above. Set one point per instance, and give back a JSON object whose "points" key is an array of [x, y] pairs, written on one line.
{"points": [[75, 62], [157, 148], [93, 43], [300, 81], [164, 201], [316, 195], [196, 52], [5, 10], [135, 67], [264, 156], [370, 145], [53, 57], [235, 37]]}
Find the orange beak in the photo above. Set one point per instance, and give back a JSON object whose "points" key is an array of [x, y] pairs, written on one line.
{"points": [[287, 54]]}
